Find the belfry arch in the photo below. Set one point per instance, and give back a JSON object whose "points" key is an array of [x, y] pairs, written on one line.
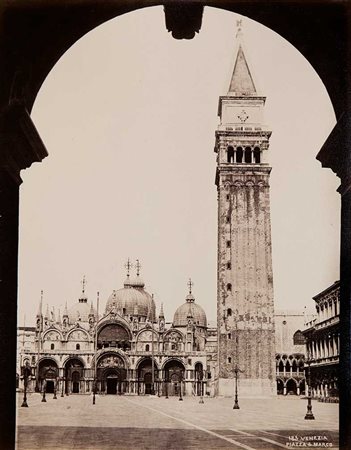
{"points": [[61, 26]]}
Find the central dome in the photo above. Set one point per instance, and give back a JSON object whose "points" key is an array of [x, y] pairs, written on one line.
{"points": [[132, 299]]}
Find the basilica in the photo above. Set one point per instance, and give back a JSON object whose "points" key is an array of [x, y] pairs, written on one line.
{"points": [[127, 349]]}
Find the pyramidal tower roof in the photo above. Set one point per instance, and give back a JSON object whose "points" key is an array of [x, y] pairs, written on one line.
{"points": [[241, 83]]}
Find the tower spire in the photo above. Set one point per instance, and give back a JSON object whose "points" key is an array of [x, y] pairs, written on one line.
{"points": [[241, 83]]}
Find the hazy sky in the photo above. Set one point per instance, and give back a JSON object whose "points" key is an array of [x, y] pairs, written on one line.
{"points": [[128, 116]]}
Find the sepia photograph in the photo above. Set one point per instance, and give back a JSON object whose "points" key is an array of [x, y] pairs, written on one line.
{"points": [[175, 247]]}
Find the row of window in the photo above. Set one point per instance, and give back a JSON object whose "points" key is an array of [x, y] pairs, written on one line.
{"points": [[240, 155]]}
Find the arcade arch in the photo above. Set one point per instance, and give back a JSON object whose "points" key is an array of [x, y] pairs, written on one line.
{"points": [[48, 372], [111, 374], [174, 371], [74, 374], [146, 383]]}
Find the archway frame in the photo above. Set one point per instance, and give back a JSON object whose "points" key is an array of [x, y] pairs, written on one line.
{"points": [[43, 31]]}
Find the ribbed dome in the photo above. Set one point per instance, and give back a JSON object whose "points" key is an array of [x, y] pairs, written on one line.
{"points": [[131, 301], [180, 318], [80, 311]]}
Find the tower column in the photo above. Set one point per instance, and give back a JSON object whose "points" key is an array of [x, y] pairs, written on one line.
{"points": [[245, 285]]}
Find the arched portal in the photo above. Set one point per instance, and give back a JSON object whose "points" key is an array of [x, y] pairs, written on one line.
{"points": [[174, 375], [147, 384], [74, 376], [111, 374], [48, 373], [291, 387]]}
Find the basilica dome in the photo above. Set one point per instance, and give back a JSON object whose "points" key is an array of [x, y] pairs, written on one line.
{"points": [[132, 299], [182, 313], [79, 311]]}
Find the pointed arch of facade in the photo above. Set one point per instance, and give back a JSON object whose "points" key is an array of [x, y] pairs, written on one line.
{"points": [[50, 330], [293, 379], [146, 329], [173, 331], [83, 330]]}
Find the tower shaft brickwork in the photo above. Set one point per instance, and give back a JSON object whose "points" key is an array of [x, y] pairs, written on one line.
{"points": [[245, 308]]}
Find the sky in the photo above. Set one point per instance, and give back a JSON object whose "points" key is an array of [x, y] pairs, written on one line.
{"points": [[128, 115]]}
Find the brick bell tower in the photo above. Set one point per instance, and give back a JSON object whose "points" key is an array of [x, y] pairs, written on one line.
{"points": [[245, 309]]}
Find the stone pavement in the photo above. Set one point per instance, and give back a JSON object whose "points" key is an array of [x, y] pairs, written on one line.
{"points": [[127, 422]]}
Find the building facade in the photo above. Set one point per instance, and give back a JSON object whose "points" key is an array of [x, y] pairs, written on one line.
{"points": [[290, 352], [322, 336], [126, 349], [245, 310]]}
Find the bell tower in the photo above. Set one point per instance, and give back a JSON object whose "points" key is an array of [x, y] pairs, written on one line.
{"points": [[245, 309]]}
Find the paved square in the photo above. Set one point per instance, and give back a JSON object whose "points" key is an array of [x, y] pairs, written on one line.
{"points": [[129, 422]]}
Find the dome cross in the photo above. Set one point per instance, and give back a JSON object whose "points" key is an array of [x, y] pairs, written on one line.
{"points": [[138, 267], [83, 282], [190, 285], [128, 265]]}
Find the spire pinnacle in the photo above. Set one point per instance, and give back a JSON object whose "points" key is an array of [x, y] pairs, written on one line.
{"points": [[65, 312], [161, 314], [40, 310]]}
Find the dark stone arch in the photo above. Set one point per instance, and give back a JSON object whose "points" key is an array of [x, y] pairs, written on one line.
{"points": [[230, 154], [248, 155], [239, 155], [291, 387]]}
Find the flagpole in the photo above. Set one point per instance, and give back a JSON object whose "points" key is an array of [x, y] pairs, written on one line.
{"points": [[95, 346], [39, 338], [152, 355]]}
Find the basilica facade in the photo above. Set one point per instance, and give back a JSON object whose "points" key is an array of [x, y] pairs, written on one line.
{"points": [[124, 350]]}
